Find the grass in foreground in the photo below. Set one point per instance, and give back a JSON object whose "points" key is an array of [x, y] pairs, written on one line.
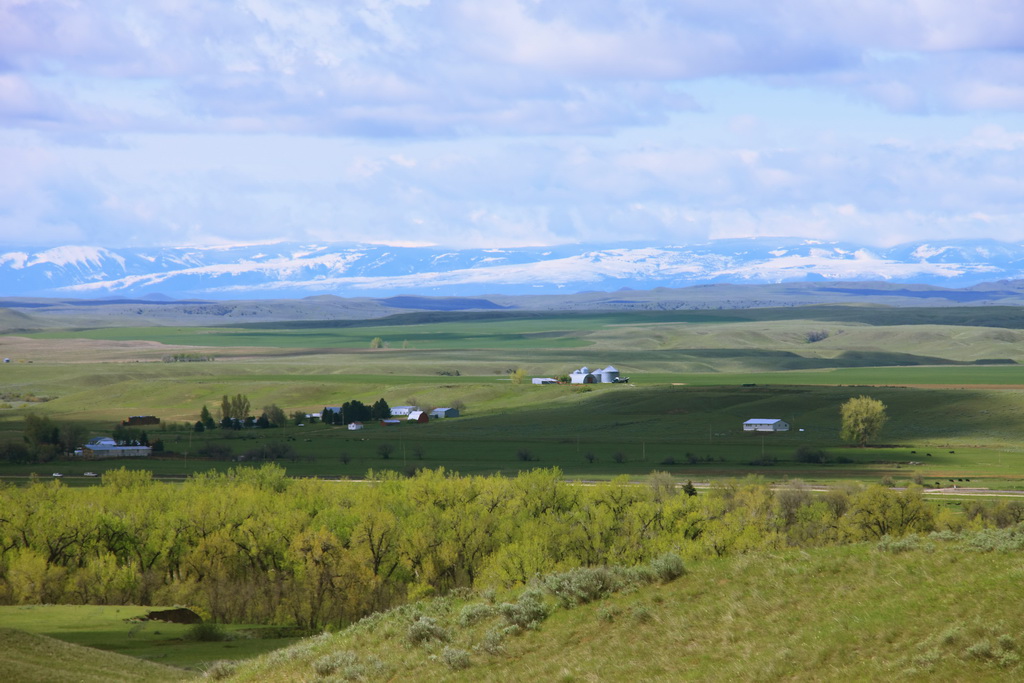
{"points": [[914, 609], [118, 631], [32, 657]]}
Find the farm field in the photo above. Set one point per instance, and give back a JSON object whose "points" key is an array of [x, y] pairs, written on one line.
{"points": [[954, 391]]}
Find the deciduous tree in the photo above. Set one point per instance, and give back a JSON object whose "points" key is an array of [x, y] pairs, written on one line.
{"points": [[862, 419]]}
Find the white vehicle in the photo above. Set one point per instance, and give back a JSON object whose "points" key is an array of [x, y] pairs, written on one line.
{"points": [[57, 474], [91, 474]]}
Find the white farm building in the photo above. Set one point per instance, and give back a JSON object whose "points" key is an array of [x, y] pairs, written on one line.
{"points": [[402, 411], [587, 376], [766, 425], [105, 447]]}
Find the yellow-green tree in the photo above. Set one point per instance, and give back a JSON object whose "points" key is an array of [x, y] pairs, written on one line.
{"points": [[862, 419]]}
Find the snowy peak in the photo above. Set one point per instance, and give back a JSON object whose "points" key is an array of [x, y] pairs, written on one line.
{"points": [[292, 270]]}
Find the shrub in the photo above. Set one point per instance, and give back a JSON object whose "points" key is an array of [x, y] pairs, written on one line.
{"points": [[424, 630], [455, 658], [888, 544], [344, 660], [668, 567], [493, 642], [206, 632], [222, 668], [807, 454], [475, 613], [526, 612], [580, 586]]}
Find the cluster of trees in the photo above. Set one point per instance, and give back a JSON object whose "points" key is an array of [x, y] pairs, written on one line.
{"points": [[43, 440], [356, 411], [252, 545], [236, 413]]}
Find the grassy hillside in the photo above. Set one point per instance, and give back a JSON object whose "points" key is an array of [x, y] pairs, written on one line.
{"points": [[910, 610], [918, 609], [29, 658]]}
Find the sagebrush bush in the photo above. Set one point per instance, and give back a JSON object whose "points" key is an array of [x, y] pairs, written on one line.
{"points": [[888, 544], [668, 567], [493, 642], [476, 612], [526, 612], [341, 660], [222, 668], [455, 658], [426, 629], [583, 585]]}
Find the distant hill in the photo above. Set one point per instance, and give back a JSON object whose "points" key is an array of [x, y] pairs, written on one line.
{"points": [[985, 303], [289, 270]]}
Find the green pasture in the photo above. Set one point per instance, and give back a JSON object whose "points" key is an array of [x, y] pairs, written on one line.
{"points": [[694, 432], [694, 378], [119, 628]]}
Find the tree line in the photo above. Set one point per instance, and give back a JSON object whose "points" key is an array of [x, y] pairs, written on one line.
{"points": [[252, 545]]}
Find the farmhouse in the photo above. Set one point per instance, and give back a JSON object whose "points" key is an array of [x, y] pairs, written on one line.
{"points": [[765, 425], [105, 447], [402, 411]]}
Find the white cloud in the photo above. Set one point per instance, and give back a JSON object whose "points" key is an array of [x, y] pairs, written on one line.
{"points": [[509, 122]]}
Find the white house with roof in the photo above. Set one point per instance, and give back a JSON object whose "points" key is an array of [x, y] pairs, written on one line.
{"points": [[403, 411], [105, 447], [766, 425]]}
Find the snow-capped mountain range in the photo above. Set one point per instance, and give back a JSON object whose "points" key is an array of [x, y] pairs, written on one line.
{"points": [[287, 270]]}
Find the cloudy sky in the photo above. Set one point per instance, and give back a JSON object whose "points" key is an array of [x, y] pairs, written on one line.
{"points": [[509, 122]]}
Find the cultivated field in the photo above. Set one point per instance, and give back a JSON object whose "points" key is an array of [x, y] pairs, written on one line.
{"points": [[950, 378]]}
